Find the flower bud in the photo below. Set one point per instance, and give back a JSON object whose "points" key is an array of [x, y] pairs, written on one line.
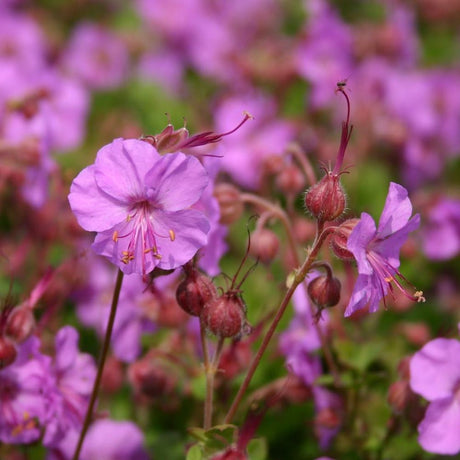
{"points": [[327, 419], [290, 180], [326, 199], [194, 292], [112, 375], [149, 379], [235, 359], [264, 245], [398, 395], [224, 316], [324, 291], [339, 239], [230, 204], [8, 352], [20, 324]]}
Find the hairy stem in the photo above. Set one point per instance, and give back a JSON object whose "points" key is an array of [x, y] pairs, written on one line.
{"points": [[100, 369]]}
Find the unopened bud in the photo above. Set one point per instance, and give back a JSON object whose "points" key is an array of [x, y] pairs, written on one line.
{"points": [[194, 292], [150, 379], [339, 239], [235, 359], [112, 375], [264, 245], [20, 324], [327, 419], [225, 315], [290, 180], [230, 204], [8, 352], [398, 395], [324, 291], [326, 199]]}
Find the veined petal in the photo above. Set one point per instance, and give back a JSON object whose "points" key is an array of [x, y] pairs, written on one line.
{"points": [[94, 210], [390, 247], [176, 181], [121, 166], [435, 369], [359, 240], [396, 212], [190, 229]]}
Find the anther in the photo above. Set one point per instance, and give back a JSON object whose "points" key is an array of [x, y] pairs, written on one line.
{"points": [[172, 235], [115, 236]]}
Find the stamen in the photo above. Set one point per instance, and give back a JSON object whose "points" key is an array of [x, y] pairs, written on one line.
{"points": [[419, 296], [115, 236], [172, 235]]}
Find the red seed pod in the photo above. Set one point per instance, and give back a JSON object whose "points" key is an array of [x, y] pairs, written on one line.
{"points": [[8, 352], [339, 239], [326, 200], [324, 291], [290, 180], [264, 245], [20, 324], [195, 291], [224, 316], [230, 204]]}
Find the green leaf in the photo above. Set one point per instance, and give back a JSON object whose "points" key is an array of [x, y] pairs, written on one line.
{"points": [[257, 449], [195, 453], [357, 355]]}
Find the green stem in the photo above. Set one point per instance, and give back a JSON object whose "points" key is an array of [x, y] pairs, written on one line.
{"points": [[210, 374], [100, 369], [299, 278]]}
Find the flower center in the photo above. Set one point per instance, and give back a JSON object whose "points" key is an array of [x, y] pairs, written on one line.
{"points": [[139, 228]]}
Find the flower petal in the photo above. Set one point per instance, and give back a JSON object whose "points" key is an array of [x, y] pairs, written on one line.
{"points": [[190, 229], [396, 212], [121, 167], [435, 369], [359, 240], [360, 295], [176, 182], [439, 430], [94, 210]]}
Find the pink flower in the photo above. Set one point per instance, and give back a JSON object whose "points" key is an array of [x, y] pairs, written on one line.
{"points": [[376, 250], [435, 375], [138, 201]]}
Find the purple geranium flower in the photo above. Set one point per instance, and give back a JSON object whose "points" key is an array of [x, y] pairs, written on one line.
{"points": [[137, 201], [376, 250], [74, 374], [441, 233], [96, 56], [23, 386], [435, 374], [106, 439]]}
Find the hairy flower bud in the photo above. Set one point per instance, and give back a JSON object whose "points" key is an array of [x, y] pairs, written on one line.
{"points": [[230, 204], [8, 352], [339, 239], [326, 199], [195, 291], [324, 291], [225, 315], [20, 324], [264, 245]]}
